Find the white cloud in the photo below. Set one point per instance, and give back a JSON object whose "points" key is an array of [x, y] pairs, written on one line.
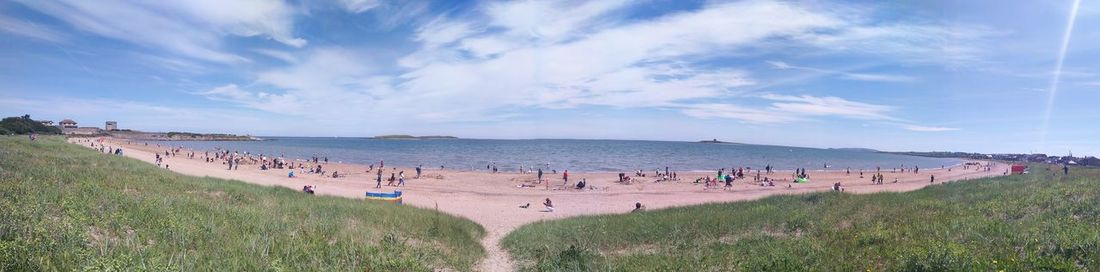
{"points": [[187, 28], [280, 55], [29, 29], [843, 74], [555, 55], [730, 111], [828, 106], [441, 32], [359, 6], [953, 46], [786, 108], [927, 128]]}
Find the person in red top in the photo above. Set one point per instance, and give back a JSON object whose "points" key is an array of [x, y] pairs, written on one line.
{"points": [[565, 176]]}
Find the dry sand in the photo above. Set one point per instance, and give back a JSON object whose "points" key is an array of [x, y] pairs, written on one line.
{"points": [[493, 200]]}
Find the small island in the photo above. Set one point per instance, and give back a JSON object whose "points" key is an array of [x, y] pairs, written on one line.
{"points": [[715, 141], [410, 137]]}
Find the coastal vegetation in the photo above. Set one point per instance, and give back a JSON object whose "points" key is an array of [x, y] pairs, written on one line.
{"points": [[25, 125], [1042, 221], [64, 207]]}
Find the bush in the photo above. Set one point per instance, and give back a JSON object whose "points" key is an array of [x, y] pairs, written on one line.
{"points": [[25, 125]]}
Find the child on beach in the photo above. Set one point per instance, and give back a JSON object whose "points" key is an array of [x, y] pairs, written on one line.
{"points": [[549, 205], [565, 177]]}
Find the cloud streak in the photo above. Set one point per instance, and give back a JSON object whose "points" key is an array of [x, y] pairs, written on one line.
{"points": [[842, 74], [192, 29]]}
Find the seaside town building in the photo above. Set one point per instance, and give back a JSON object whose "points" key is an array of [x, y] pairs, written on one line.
{"points": [[68, 127], [67, 123], [111, 126], [47, 123]]}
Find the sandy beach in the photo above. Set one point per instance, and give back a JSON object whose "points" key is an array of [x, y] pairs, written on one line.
{"points": [[494, 199]]}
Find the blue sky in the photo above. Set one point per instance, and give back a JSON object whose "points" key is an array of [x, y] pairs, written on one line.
{"points": [[906, 75]]}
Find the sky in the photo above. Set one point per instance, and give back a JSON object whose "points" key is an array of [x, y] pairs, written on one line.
{"points": [[977, 76]]}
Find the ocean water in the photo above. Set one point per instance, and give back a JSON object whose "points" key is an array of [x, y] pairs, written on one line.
{"points": [[574, 155]]}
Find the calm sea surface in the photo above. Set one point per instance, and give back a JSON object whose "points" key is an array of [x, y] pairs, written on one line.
{"points": [[575, 155]]}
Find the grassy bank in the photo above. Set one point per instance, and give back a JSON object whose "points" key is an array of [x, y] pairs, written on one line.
{"points": [[63, 207], [1017, 223]]}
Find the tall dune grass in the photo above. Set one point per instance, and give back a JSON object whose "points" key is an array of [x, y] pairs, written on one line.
{"points": [[64, 207], [1035, 222]]}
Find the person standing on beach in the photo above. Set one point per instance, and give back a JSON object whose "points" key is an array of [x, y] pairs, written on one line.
{"points": [[379, 179], [418, 171], [932, 179], [565, 178], [540, 175]]}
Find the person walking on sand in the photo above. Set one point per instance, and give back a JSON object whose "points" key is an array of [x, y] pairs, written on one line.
{"points": [[932, 179], [565, 178], [401, 179], [379, 179]]}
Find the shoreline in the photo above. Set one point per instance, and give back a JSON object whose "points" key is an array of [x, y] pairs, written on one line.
{"points": [[516, 167], [494, 199]]}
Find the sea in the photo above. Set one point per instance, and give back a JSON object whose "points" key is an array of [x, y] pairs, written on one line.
{"points": [[559, 154]]}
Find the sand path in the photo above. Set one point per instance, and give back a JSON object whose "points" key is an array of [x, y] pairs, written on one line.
{"points": [[493, 200]]}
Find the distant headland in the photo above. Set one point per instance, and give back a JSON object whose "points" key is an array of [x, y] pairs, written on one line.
{"points": [[68, 127], [410, 137]]}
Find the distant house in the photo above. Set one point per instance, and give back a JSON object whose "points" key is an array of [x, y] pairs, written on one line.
{"points": [[67, 123], [47, 123], [1090, 161], [111, 126]]}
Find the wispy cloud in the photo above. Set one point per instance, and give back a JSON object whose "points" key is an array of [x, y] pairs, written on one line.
{"points": [[826, 106], [277, 54], [359, 6], [788, 108], [927, 128], [560, 55], [843, 74], [29, 29], [192, 29]]}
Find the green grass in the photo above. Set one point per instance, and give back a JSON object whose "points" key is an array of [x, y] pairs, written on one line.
{"points": [[1017, 223], [63, 207]]}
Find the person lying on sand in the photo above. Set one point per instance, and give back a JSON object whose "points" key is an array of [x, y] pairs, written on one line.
{"points": [[581, 184], [525, 205], [638, 207]]}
